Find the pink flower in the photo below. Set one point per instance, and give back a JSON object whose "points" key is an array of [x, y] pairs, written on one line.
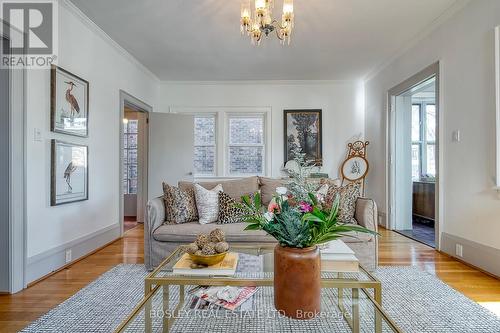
{"points": [[305, 207], [273, 207]]}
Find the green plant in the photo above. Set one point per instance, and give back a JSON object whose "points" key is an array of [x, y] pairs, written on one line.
{"points": [[301, 225]]}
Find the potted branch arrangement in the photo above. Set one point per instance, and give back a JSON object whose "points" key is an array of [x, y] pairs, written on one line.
{"points": [[297, 219]]}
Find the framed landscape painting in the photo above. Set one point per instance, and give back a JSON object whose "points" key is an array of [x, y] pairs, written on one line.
{"points": [[302, 129], [69, 173], [69, 103]]}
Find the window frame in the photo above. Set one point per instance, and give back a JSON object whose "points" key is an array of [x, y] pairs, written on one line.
{"points": [[423, 142], [216, 146], [228, 145], [222, 135]]}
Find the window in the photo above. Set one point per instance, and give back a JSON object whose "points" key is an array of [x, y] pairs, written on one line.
{"points": [[423, 136], [246, 144], [204, 145], [130, 156], [243, 144]]}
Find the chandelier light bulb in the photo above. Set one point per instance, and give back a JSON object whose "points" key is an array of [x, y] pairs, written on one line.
{"points": [[261, 21]]}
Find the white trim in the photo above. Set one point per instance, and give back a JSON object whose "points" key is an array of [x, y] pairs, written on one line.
{"points": [[257, 82], [430, 28], [97, 30], [497, 84], [432, 70], [48, 261], [222, 113], [129, 100], [17, 174]]}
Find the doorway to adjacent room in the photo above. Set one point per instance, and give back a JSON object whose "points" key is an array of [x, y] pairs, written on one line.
{"points": [[414, 146]]}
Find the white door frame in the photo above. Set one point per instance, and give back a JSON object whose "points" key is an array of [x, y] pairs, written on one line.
{"points": [[142, 193], [431, 71], [17, 187]]}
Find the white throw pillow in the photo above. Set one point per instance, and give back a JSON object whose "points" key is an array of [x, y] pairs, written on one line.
{"points": [[207, 202]]}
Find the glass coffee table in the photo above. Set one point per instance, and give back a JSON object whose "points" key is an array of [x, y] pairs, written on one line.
{"points": [[350, 302]]}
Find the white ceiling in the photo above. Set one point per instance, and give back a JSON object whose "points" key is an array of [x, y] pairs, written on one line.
{"points": [[200, 39]]}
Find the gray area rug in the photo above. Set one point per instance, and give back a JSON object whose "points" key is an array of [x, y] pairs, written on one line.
{"points": [[415, 300]]}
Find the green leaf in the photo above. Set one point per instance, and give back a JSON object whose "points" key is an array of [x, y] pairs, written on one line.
{"points": [[254, 226], [256, 200], [313, 198]]}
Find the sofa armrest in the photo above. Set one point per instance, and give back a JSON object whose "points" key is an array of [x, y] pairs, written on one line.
{"points": [[155, 215], [366, 213]]}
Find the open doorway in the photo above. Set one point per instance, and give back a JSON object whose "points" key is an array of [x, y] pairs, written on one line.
{"points": [[134, 161], [414, 150]]}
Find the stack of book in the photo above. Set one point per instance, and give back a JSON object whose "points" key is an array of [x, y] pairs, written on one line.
{"points": [[338, 257], [226, 267]]}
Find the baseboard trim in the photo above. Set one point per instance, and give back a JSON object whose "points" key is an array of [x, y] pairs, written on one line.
{"points": [[481, 257], [41, 265]]}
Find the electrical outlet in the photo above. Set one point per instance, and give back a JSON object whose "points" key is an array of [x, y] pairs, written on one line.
{"points": [[68, 255], [455, 136], [459, 250]]}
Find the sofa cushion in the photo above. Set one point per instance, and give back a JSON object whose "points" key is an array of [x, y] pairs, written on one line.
{"points": [[348, 195], [228, 211], [187, 232], [268, 188], [180, 205], [235, 188], [207, 202]]}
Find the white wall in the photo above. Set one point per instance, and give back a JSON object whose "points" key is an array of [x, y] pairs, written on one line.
{"points": [[341, 102], [464, 45], [90, 55]]}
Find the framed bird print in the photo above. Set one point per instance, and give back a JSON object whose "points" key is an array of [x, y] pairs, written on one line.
{"points": [[69, 173], [69, 103]]}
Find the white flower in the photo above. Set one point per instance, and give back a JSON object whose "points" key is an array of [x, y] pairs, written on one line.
{"points": [[268, 216], [281, 190]]}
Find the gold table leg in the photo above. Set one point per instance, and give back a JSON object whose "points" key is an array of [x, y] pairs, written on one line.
{"points": [[378, 318], [148, 325], [165, 307], [355, 310]]}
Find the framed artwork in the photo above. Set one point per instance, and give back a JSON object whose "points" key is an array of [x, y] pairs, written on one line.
{"points": [[354, 168], [302, 129], [69, 103], [69, 173]]}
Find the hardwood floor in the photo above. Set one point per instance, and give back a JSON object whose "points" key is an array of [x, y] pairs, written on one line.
{"points": [[16, 311]]}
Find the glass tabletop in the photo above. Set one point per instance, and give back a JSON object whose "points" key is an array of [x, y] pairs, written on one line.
{"points": [[255, 262], [356, 311]]}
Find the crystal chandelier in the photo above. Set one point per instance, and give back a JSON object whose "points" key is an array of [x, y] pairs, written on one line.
{"points": [[263, 23]]}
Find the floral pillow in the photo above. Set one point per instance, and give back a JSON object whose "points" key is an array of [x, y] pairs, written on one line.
{"points": [[180, 206], [348, 195]]}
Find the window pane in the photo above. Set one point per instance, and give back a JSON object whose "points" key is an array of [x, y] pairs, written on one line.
{"points": [[204, 130], [431, 160], [430, 115], [133, 125], [415, 122], [245, 160], [125, 186], [246, 130], [132, 187], [131, 141], [204, 160], [132, 171], [415, 162], [132, 156]]}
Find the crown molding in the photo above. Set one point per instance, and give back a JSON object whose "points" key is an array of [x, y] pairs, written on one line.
{"points": [[269, 82], [96, 29], [440, 20]]}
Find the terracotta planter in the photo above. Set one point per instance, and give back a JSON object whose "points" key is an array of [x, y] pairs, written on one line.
{"points": [[297, 281]]}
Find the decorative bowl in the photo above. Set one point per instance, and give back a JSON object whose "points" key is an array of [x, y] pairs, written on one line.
{"points": [[208, 260]]}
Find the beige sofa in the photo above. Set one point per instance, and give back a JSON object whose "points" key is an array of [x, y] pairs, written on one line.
{"points": [[160, 238]]}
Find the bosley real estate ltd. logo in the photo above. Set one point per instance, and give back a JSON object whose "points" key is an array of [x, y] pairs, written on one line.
{"points": [[29, 33]]}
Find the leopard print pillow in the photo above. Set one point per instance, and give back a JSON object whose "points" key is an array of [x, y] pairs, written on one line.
{"points": [[180, 206], [228, 212], [348, 195]]}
